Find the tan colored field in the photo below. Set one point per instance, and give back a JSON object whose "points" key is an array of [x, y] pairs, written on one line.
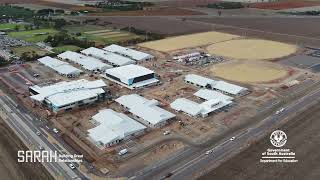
{"points": [[252, 49], [187, 41], [249, 72]]}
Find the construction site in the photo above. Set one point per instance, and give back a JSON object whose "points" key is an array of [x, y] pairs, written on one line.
{"points": [[158, 104]]}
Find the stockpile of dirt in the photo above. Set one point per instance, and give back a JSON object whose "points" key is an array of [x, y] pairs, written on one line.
{"points": [[9, 166]]}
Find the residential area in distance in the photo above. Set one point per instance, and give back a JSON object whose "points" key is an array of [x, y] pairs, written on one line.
{"points": [[159, 89]]}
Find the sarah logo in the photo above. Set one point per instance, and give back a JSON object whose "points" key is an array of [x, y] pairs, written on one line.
{"points": [[278, 138]]}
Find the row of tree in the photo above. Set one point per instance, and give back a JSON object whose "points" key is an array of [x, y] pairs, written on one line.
{"points": [[63, 38]]}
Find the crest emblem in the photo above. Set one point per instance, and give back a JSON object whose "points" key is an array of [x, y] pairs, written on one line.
{"points": [[278, 138]]}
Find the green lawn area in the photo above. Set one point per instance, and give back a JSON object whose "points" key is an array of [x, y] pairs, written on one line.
{"points": [[19, 50], [10, 26], [61, 49], [37, 35]]}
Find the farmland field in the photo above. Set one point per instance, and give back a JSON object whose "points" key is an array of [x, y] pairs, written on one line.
{"points": [[252, 49], [37, 35], [100, 34], [107, 36], [188, 41], [20, 50]]}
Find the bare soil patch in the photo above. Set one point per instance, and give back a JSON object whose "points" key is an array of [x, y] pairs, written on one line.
{"points": [[303, 139]]}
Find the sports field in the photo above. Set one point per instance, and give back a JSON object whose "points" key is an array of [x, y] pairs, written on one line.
{"points": [[37, 35], [188, 41], [252, 49], [249, 71]]}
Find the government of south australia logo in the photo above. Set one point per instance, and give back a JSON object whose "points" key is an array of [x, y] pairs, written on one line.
{"points": [[278, 138]]}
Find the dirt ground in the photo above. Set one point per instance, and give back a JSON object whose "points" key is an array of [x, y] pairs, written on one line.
{"points": [[187, 41], [284, 4], [160, 25], [252, 49], [298, 26], [303, 139], [153, 12], [10, 169], [249, 72]]}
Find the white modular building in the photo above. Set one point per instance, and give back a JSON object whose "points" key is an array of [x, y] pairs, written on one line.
{"points": [[208, 94], [132, 76], [110, 57], [88, 63], [127, 52], [146, 111], [199, 81], [229, 88], [63, 68], [218, 85], [112, 128], [185, 56], [195, 109], [64, 96]]}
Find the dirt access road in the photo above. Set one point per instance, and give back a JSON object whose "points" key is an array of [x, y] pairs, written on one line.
{"points": [[303, 138], [10, 169]]}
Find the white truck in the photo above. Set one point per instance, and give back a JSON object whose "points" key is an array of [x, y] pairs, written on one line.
{"points": [[122, 152]]}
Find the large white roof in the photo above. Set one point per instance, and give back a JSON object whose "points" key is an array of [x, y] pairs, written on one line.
{"points": [[113, 126], [129, 71], [187, 106], [195, 109], [196, 79], [211, 94], [215, 84], [229, 88], [133, 54], [144, 108], [64, 93], [86, 62], [59, 66], [107, 56]]}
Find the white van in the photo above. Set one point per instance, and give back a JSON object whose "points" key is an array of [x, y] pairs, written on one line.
{"points": [[122, 152]]}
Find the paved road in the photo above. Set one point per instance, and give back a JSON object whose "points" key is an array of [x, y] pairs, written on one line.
{"points": [[26, 127], [189, 163]]}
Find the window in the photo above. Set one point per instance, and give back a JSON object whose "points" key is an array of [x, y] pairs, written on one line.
{"points": [[143, 78]]}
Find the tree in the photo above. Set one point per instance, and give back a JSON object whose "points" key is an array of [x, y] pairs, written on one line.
{"points": [[59, 11], [59, 23], [17, 28]]}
